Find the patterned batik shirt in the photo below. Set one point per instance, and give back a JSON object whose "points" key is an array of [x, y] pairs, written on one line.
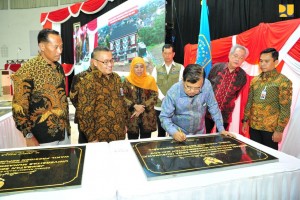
{"points": [[40, 103], [101, 107], [227, 86], [76, 81], [148, 98], [269, 102]]}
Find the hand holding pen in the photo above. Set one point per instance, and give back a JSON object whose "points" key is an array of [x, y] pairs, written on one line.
{"points": [[179, 136], [227, 134]]}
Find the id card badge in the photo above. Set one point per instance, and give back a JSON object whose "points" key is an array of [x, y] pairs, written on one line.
{"points": [[121, 92], [263, 93]]}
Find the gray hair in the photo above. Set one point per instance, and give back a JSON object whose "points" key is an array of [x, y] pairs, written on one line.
{"points": [[237, 46]]}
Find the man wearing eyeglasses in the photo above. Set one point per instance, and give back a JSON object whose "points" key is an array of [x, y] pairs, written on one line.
{"points": [[101, 104], [184, 107], [227, 80]]}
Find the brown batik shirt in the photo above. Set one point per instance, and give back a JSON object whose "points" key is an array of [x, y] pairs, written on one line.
{"points": [[101, 107], [76, 82], [40, 103], [148, 98], [227, 86], [269, 102]]}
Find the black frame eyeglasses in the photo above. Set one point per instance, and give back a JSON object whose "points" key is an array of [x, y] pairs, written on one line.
{"points": [[189, 88], [106, 62]]}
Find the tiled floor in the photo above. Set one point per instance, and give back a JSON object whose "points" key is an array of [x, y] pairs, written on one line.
{"points": [[74, 129]]}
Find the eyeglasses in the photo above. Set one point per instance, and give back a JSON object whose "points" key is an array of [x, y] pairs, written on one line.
{"points": [[106, 62], [237, 57], [189, 88]]}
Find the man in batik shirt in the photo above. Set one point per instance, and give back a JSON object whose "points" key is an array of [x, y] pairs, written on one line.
{"points": [[101, 104], [227, 80], [40, 106], [269, 102]]}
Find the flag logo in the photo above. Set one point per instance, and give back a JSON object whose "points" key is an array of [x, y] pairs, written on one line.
{"points": [[204, 50], [286, 10]]}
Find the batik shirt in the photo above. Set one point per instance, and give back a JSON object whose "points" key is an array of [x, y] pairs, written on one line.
{"points": [[76, 81], [101, 107], [148, 98], [227, 86], [269, 102], [181, 112], [40, 103]]}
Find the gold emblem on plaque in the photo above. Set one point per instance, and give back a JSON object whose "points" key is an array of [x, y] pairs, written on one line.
{"points": [[212, 160], [1, 182]]}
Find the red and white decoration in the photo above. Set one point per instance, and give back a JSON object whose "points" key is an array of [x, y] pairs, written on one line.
{"points": [[51, 19], [283, 36]]}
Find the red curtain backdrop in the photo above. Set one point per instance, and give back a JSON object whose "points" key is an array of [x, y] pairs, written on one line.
{"points": [[266, 35], [294, 52], [256, 39], [12, 67]]}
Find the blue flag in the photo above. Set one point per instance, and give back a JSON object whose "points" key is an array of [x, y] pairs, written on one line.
{"points": [[204, 50]]}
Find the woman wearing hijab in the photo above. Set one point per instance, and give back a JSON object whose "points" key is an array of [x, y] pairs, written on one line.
{"points": [[141, 93]]}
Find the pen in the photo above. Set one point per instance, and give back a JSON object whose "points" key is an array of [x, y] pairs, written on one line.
{"points": [[181, 133], [179, 130]]}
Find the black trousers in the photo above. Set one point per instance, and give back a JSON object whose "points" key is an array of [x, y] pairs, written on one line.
{"points": [[263, 137], [142, 133], [209, 125], [160, 130], [81, 137]]}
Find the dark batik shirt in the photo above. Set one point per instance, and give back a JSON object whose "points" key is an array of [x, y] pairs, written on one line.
{"points": [[148, 98], [101, 107], [40, 103], [76, 81], [227, 86]]}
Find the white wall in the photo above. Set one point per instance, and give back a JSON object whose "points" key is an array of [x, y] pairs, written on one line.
{"points": [[15, 31]]}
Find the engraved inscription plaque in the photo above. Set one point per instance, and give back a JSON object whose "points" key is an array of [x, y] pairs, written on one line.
{"points": [[198, 154], [41, 168]]}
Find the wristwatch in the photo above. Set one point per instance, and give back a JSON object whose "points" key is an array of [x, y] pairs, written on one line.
{"points": [[29, 135]]}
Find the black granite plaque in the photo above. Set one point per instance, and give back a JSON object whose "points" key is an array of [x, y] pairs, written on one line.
{"points": [[41, 168], [201, 154]]}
